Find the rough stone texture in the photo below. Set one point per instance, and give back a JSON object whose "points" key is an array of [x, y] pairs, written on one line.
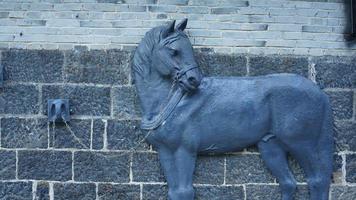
{"points": [[42, 191], [209, 170], [97, 66], [74, 134], [150, 171], [343, 192], [83, 100], [16, 190], [98, 134], [213, 64], [336, 72], [155, 192], [337, 170], [101, 166], [247, 168], [345, 135], [125, 135], [44, 66], [73, 191], [122, 192], [45, 165], [342, 104], [7, 165], [262, 65], [24, 133], [220, 192], [351, 168], [261, 192], [126, 103], [19, 99]]}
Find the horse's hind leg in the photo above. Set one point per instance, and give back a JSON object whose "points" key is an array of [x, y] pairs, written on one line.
{"points": [[276, 160]]}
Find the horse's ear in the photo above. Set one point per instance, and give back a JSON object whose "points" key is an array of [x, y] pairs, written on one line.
{"points": [[168, 29], [182, 25]]}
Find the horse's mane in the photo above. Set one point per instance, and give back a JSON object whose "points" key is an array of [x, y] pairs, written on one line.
{"points": [[142, 58]]}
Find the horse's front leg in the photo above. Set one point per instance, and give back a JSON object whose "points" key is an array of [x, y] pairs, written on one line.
{"points": [[185, 162]]}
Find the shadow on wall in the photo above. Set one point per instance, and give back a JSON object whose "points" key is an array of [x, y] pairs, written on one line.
{"points": [[350, 28]]}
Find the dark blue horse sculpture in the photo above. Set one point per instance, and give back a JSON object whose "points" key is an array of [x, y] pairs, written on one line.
{"points": [[187, 114]]}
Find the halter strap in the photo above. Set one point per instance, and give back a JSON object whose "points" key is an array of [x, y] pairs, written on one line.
{"points": [[182, 72], [165, 112]]}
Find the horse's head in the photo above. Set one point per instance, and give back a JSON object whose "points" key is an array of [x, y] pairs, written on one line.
{"points": [[173, 57]]}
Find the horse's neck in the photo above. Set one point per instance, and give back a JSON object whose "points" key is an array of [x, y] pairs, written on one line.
{"points": [[153, 93]]}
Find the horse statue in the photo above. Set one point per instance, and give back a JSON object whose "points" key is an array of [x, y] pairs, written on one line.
{"points": [[185, 114]]}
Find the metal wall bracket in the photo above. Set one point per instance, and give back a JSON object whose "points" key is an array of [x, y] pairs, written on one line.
{"points": [[58, 110]]}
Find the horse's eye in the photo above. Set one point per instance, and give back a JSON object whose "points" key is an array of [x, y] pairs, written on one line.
{"points": [[172, 51]]}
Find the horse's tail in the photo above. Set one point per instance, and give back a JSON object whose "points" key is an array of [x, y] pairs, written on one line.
{"points": [[326, 141]]}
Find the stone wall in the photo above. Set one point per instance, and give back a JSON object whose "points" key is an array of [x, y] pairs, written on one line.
{"points": [[82, 49]]}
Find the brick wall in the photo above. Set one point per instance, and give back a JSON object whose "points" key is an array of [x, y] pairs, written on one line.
{"points": [[86, 59]]}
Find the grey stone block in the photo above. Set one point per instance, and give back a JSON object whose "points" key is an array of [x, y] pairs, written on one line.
{"points": [[73, 191], [75, 134], [337, 170], [122, 192], [246, 169], [343, 192], [45, 165], [126, 103], [345, 135], [24, 133], [342, 104], [44, 66], [19, 99], [155, 192], [261, 192], [219, 192], [316, 29], [209, 170], [336, 72], [262, 65], [351, 168], [98, 134], [97, 66], [146, 168], [42, 191], [4, 14], [221, 65], [83, 100], [7, 165], [125, 135], [173, 2], [101, 166], [224, 10], [16, 190]]}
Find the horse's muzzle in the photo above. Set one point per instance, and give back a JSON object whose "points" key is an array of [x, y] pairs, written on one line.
{"points": [[190, 81]]}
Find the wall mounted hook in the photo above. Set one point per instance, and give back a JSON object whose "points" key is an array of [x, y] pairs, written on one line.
{"points": [[58, 110]]}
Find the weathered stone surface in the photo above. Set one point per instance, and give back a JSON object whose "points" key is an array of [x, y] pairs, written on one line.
{"points": [[42, 191], [98, 134], [296, 170], [150, 171], [101, 166], [19, 99], [219, 192], [155, 192], [262, 65], [43, 66], [209, 170], [351, 168], [24, 133], [125, 135], [83, 100], [73, 191], [45, 165], [15, 190], [343, 192], [336, 72], [345, 135], [126, 103], [122, 192], [97, 66], [262, 192], [337, 169], [7, 165], [74, 134], [342, 104], [247, 168], [213, 64]]}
